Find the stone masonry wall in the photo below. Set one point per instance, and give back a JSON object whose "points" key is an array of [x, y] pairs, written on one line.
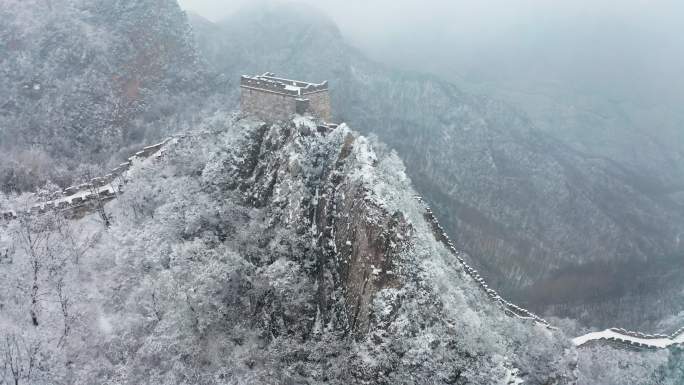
{"points": [[319, 105], [98, 190], [266, 105]]}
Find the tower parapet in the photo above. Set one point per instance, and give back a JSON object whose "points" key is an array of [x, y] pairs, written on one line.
{"points": [[272, 98]]}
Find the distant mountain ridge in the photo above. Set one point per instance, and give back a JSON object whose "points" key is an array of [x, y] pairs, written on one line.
{"points": [[296, 252], [560, 230]]}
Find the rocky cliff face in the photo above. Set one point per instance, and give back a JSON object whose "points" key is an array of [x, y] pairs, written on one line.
{"points": [[563, 231], [87, 82], [288, 253], [256, 253]]}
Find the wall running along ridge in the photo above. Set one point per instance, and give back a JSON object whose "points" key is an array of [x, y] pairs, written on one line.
{"points": [[630, 339], [614, 336], [106, 188], [101, 189], [510, 309]]}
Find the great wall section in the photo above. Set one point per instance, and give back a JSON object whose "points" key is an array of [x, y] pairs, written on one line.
{"points": [[89, 196], [631, 339], [83, 198], [510, 308], [616, 337]]}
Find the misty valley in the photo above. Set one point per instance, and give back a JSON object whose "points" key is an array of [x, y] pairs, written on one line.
{"points": [[311, 192]]}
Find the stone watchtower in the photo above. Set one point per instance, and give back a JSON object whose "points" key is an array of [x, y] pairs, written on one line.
{"points": [[271, 98]]}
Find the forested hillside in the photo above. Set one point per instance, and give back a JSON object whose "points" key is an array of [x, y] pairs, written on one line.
{"points": [[264, 254], [246, 252], [83, 82], [566, 232]]}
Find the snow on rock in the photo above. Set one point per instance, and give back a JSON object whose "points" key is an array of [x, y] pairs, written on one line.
{"points": [[259, 272]]}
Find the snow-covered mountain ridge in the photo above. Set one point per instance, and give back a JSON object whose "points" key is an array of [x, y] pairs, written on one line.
{"points": [[77, 200], [267, 254], [593, 247], [304, 236]]}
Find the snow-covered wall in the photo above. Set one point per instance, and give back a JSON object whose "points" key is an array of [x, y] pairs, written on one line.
{"points": [[632, 339], [82, 196], [273, 100], [510, 308]]}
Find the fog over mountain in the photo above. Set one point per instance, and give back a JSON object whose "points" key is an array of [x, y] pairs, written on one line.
{"points": [[451, 192], [602, 75], [483, 162], [503, 39]]}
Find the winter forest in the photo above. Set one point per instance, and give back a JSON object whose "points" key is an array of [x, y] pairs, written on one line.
{"points": [[327, 192]]}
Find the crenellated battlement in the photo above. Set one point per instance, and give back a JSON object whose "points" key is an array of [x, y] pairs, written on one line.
{"points": [[282, 86], [273, 98], [99, 189], [632, 340], [509, 308], [617, 337]]}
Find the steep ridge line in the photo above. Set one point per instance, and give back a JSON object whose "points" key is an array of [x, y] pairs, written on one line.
{"points": [[610, 336], [102, 189], [510, 308], [106, 188]]}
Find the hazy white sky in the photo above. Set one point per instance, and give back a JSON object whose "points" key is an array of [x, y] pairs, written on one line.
{"points": [[470, 12], [382, 19], [620, 39]]}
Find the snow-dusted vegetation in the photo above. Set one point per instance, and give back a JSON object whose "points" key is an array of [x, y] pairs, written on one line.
{"points": [[591, 247], [302, 251], [248, 256], [84, 81]]}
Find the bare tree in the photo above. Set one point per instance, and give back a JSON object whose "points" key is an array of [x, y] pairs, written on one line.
{"points": [[66, 251], [74, 248], [64, 304], [19, 359], [155, 305], [35, 233], [94, 180], [95, 193], [7, 255]]}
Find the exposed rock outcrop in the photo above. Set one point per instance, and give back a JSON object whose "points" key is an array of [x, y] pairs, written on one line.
{"points": [[564, 232]]}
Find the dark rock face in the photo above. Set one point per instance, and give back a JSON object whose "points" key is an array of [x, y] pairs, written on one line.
{"points": [[366, 246], [342, 285], [273, 254], [559, 230], [357, 241]]}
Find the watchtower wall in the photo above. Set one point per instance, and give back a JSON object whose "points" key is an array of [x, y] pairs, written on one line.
{"points": [[271, 98], [319, 105], [266, 105]]}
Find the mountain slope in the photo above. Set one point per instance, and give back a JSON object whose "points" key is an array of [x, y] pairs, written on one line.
{"points": [[265, 254], [560, 230], [83, 81]]}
